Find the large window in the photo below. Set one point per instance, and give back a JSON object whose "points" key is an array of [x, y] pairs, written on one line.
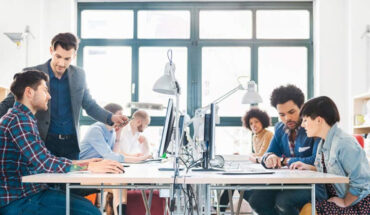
{"points": [[124, 50]]}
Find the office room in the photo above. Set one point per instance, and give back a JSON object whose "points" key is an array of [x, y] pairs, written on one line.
{"points": [[184, 107]]}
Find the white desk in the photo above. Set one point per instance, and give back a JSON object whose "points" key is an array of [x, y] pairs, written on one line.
{"points": [[148, 176]]}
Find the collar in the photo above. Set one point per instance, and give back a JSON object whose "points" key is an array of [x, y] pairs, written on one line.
{"points": [[330, 136], [261, 133], [23, 108], [51, 73], [287, 130]]}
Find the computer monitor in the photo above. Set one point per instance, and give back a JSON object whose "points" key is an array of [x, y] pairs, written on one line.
{"points": [[209, 139], [167, 129]]}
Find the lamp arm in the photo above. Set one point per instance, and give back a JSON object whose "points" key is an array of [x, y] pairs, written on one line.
{"points": [[202, 110]]}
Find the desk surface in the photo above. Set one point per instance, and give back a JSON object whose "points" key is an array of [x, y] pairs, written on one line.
{"points": [[149, 174]]}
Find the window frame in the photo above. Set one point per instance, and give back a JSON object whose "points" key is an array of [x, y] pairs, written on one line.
{"points": [[194, 44]]}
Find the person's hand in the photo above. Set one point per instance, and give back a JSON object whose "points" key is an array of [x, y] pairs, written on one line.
{"points": [[299, 165], [302, 166], [142, 139], [138, 155], [338, 201], [252, 158], [105, 166], [273, 161], [119, 120]]}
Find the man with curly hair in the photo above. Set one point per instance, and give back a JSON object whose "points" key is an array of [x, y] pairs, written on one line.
{"points": [[289, 144]]}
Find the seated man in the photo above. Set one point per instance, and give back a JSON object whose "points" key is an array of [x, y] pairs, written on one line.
{"points": [[288, 145], [99, 142], [131, 142], [22, 153]]}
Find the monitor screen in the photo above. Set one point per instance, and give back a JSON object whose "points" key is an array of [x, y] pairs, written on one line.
{"points": [[209, 136], [167, 129]]}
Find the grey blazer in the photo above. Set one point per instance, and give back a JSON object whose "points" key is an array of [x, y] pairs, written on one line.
{"points": [[80, 98]]}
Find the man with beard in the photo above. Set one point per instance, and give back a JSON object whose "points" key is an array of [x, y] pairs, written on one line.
{"points": [[131, 142], [289, 144]]}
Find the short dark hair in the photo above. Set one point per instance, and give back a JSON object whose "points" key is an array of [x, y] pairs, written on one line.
{"points": [[113, 107], [262, 116], [30, 78], [323, 107], [66, 40], [286, 93]]}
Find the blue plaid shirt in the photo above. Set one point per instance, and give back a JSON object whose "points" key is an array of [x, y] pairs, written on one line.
{"points": [[22, 152]]}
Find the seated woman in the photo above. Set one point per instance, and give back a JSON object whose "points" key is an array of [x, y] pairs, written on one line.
{"points": [[338, 153], [256, 121]]}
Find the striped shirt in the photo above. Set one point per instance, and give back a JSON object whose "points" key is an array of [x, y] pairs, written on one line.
{"points": [[22, 152]]}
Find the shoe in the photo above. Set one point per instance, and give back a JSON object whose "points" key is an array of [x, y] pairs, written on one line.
{"points": [[124, 206]]}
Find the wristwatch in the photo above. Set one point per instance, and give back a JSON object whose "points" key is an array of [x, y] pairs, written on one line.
{"points": [[282, 159]]}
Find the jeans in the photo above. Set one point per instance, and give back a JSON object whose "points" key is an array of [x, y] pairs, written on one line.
{"points": [[270, 202], [47, 202]]}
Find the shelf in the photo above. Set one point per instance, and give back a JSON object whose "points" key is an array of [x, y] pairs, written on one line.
{"points": [[361, 126], [364, 96]]}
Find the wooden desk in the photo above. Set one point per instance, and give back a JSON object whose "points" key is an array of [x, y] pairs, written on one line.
{"points": [[147, 176]]}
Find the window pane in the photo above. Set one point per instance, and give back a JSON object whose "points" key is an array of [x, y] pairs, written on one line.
{"points": [[152, 61], [164, 24], [108, 74], [235, 24], [283, 24], [231, 140], [280, 66], [107, 24], [221, 67]]}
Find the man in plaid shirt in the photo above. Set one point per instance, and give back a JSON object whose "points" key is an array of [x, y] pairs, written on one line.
{"points": [[22, 152]]}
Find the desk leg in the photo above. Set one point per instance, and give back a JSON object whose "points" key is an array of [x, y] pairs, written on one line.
{"points": [[120, 202], [208, 199], [313, 200], [145, 200], [68, 194], [101, 200]]}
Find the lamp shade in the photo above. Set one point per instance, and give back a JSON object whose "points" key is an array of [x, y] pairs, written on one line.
{"points": [[251, 96], [166, 84]]}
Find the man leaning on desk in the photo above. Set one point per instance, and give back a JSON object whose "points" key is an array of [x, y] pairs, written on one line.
{"points": [[23, 152], [289, 144], [58, 125]]}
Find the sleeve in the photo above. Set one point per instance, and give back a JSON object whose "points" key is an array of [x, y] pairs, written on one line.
{"points": [[7, 103], [265, 144], [310, 159], [96, 139], [274, 146], [33, 148], [356, 169], [91, 107]]}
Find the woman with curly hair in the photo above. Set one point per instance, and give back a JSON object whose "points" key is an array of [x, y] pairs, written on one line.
{"points": [[257, 121]]}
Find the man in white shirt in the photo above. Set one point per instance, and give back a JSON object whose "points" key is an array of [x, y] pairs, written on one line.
{"points": [[131, 141]]}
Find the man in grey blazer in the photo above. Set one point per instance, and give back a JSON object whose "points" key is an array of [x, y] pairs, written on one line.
{"points": [[58, 125]]}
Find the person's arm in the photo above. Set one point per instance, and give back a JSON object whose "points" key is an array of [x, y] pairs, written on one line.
{"points": [[354, 162], [265, 144], [7, 103], [96, 139], [33, 148], [273, 151], [144, 145], [308, 160]]}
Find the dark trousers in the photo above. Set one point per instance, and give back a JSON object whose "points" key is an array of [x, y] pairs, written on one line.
{"points": [[271, 202], [50, 202], [67, 148]]}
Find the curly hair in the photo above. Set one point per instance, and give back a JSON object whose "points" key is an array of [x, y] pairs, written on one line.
{"points": [[262, 116], [286, 93]]}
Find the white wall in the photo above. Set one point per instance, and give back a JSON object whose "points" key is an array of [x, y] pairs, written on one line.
{"points": [[45, 18]]}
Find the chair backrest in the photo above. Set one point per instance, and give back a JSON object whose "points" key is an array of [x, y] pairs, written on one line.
{"points": [[360, 140]]}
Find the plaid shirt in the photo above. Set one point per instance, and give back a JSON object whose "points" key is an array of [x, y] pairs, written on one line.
{"points": [[22, 152]]}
